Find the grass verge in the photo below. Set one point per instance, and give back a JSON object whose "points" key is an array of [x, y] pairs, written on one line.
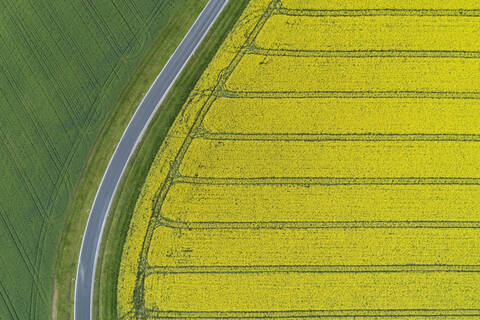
{"points": [[134, 176], [169, 36]]}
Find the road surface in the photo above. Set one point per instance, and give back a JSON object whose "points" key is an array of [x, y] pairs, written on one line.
{"points": [[93, 232]]}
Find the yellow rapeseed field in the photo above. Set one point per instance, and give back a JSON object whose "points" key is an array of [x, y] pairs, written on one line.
{"points": [[326, 165]]}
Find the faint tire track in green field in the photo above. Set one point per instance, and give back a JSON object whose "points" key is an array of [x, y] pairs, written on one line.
{"points": [[7, 302]]}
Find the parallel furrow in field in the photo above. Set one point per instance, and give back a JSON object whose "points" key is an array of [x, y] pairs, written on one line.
{"points": [[40, 59], [311, 269], [380, 12], [365, 53], [33, 118], [125, 21], [7, 302], [22, 175], [162, 221], [32, 269], [349, 94], [88, 26], [49, 174], [316, 314], [102, 26], [79, 57], [335, 137], [333, 181], [58, 30], [133, 10], [42, 86]]}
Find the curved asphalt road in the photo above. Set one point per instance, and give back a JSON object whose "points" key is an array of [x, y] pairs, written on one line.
{"points": [[125, 148]]}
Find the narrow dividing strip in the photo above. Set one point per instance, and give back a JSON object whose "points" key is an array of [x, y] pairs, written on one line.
{"points": [[205, 134], [305, 314], [329, 181], [379, 12], [177, 224], [365, 53], [347, 94], [312, 269]]}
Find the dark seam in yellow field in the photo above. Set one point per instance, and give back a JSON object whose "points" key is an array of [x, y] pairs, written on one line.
{"points": [[329, 181], [224, 93], [210, 225], [311, 313], [390, 53], [208, 135], [311, 269], [380, 12]]}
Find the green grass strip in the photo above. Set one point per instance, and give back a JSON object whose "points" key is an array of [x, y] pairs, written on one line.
{"points": [[135, 175], [168, 38]]}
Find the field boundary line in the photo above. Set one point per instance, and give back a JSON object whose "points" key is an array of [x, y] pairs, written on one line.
{"points": [[330, 181], [379, 12], [225, 93], [390, 53], [424, 268], [302, 314], [211, 225], [313, 137]]}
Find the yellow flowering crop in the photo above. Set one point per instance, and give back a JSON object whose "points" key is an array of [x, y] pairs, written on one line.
{"points": [[326, 165], [344, 74], [342, 115], [379, 4], [307, 159], [308, 203], [259, 291], [231, 247], [370, 33]]}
